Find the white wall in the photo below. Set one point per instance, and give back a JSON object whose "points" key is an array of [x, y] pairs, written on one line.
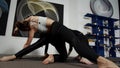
{"points": [[74, 11]]}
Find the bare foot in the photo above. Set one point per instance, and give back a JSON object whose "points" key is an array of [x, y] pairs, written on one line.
{"points": [[105, 63], [85, 61], [48, 60], [7, 58]]}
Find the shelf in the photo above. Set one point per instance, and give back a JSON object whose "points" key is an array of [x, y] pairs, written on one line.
{"points": [[118, 45], [117, 37], [105, 27], [98, 24], [101, 17], [100, 36]]}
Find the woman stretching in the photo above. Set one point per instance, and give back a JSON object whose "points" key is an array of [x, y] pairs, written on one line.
{"points": [[55, 29]]}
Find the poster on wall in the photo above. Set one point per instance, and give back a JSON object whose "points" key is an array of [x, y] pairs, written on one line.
{"points": [[4, 11], [26, 8], [102, 7]]}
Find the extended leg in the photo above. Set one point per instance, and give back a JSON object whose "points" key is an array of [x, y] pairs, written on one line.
{"points": [[26, 50], [71, 38], [32, 47], [81, 48]]}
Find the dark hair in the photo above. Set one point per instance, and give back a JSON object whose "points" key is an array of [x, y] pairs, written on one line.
{"points": [[23, 26]]}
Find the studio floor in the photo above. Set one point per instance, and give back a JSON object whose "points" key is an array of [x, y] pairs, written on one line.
{"points": [[36, 62]]}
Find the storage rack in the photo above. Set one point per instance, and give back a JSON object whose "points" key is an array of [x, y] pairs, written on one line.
{"points": [[98, 24]]}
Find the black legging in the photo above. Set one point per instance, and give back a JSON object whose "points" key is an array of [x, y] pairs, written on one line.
{"points": [[80, 44]]}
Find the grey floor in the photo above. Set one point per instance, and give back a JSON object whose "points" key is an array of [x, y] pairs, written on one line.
{"points": [[36, 62]]}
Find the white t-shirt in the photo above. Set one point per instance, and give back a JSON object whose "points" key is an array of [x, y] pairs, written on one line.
{"points": [[42, 24]]}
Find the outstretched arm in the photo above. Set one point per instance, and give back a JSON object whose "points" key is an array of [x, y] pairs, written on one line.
{"points": [[30, 37]]}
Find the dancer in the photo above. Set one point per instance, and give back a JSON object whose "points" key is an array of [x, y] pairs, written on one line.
{"points": [[47, 25], [58, 41]]}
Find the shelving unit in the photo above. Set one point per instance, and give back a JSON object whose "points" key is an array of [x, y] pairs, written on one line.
{"points": [[99, 24]]}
